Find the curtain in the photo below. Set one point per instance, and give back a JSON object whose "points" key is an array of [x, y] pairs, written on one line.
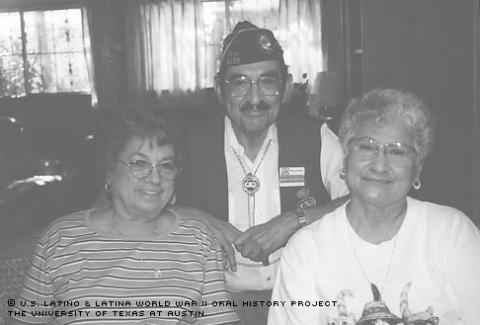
{"points": [[173, 45], [104, 25], [295, 23], [301, 33], [166, 46]]}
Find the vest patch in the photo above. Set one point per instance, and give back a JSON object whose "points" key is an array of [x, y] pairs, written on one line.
{"points": [[291, 176]]}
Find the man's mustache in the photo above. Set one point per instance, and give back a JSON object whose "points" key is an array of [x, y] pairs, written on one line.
{"points": [[262, 106]]}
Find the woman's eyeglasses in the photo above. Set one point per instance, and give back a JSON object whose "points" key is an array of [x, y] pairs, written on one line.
{"points": [[240, 85], [367, 148], [141, 169]]}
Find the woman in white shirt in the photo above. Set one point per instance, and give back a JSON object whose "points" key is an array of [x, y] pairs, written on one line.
{"points": [[383, 257]]}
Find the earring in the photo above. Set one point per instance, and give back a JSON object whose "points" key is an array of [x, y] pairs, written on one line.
{"points": [[107, 187], [343, 173], [416, 184]]}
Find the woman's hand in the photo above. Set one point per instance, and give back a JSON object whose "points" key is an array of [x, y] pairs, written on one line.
{"points": [[224, 233]]}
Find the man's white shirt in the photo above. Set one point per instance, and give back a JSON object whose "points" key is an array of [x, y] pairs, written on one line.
{"points": [[252, 275]]}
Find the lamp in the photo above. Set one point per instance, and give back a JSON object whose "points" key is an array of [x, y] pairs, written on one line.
{"points": [[327, 91]]}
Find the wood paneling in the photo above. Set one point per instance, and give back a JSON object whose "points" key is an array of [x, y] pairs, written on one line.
{"points": [[476, 112], [427, 46]]}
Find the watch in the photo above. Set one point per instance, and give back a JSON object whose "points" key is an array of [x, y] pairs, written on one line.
{"points": [[301, 217]]}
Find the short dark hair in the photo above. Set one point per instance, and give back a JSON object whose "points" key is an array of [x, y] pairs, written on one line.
{"points": [[144, 123]]}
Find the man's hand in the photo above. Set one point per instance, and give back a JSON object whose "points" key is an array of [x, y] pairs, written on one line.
{"points": [[224, 232], [258, 242]]}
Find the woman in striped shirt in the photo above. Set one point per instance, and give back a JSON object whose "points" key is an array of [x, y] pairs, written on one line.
{"points": [[136, 260]]}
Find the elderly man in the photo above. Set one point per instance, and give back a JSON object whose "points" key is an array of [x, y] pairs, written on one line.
{"points": [[260, 174]]}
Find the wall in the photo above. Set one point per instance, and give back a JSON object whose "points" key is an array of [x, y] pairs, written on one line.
{"points": [[56, 127], [426, 46], [476, 111]]}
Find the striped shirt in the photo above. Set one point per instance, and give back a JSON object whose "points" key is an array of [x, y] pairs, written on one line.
{"points": [[82, 276]]}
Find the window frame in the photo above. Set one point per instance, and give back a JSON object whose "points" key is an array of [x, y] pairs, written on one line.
{"points": [[22, 6]]}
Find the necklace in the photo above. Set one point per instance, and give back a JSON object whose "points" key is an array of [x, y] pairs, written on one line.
{"points": [[155, 269], [133, 244], [250, 182], [357, 259]]}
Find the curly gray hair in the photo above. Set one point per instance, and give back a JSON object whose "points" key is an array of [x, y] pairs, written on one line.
{"points": [[384, 105]]}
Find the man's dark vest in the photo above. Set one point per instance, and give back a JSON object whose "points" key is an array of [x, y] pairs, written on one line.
{"points": [[204, 182]]}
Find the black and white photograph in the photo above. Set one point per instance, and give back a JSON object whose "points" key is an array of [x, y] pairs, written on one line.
{"points": [[243, 162]]}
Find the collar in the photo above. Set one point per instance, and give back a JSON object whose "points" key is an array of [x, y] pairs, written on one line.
{"points": [[231, 141]]}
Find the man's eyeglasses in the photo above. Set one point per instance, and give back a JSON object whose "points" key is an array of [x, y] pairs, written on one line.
{"points": [[141, 169], [240, 86], [367, 148]]}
